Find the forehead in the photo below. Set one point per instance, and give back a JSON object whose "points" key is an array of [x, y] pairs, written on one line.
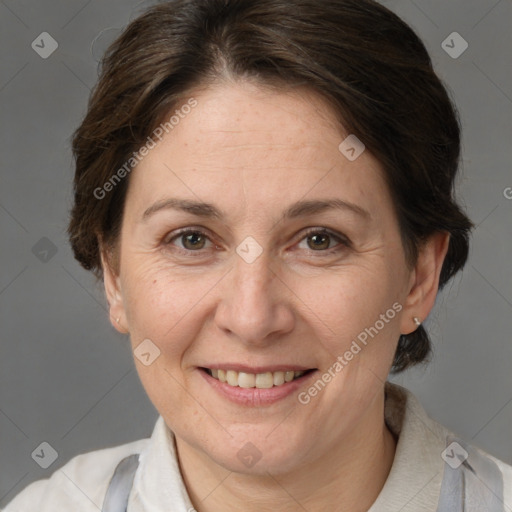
{"points": [[246, 144], [243, 119]]}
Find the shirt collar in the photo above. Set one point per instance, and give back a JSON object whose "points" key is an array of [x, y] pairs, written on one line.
{"points": [[414, 482], [158, 484]]}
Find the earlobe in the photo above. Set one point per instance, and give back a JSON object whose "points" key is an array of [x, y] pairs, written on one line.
{"points": [[113, 293], [424, 281]]}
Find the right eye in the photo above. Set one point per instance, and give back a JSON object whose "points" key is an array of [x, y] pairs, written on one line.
{"points": [[191, 240]]}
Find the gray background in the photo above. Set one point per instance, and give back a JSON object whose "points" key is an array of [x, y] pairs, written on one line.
{"points": [[67, 378]]}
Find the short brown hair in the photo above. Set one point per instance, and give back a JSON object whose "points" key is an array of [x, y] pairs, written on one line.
{"points": [[363, 59]]}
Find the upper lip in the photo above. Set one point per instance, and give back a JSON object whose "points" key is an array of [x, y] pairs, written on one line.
{"points": [[258, 369]]}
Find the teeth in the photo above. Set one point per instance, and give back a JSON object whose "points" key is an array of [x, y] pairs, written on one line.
{"points": [[278, 378], [264, 380], [250, 380], [232, 378], [246, 380]]}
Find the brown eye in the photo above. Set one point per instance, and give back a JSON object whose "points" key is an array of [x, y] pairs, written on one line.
{"points": [[189, 240], [193, 240], [319, 241]]}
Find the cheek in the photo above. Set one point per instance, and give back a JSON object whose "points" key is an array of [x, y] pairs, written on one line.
{"points": [[161, 304], [337, 297], [147, 298], [349, 303]]}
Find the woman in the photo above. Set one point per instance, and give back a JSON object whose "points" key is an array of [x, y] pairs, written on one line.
{"points": [[266, 189]]}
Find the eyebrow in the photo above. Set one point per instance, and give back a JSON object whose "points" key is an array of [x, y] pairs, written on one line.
{"points": [[296, 210]]}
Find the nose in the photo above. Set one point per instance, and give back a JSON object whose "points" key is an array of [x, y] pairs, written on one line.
{"points": [[256, 304]]}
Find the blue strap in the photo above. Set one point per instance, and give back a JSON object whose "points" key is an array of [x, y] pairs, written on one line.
{"points": [[471, 483], [116, 498]]}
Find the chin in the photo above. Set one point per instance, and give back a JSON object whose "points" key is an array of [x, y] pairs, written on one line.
{"points": [[259, 454]]}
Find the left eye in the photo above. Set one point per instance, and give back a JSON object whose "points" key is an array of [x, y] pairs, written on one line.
{"points": [[320, 240]]}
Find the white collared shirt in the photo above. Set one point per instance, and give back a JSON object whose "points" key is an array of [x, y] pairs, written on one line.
{"points": [[421, 480]]}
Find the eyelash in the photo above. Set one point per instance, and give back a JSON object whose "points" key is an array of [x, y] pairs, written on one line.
{"points": [[342, 241]]}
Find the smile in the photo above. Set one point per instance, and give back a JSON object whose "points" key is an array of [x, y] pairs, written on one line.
{"points": [[258, 386], [245, 380]]}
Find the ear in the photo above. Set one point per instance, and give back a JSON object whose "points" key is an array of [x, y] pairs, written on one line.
{"points": [[424, 282], [111, 281]]}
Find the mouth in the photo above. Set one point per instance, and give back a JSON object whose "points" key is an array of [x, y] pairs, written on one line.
{"points": [[264, 380], [256, 386]]}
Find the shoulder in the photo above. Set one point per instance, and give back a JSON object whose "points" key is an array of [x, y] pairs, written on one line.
{"points": [[460, 472], [80, 484], [482, 481], [506, 472]]}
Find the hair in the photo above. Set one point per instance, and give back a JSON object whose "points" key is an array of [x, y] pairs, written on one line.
{"points": [[361, 58]]}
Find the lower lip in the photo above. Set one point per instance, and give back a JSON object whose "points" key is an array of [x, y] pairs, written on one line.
{"points": [[255, 397]]}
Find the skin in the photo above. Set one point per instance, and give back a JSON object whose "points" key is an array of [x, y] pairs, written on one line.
{"points": [[253, 152]]}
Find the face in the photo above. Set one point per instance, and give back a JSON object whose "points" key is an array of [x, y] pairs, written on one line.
{"points": [[252, 249]]}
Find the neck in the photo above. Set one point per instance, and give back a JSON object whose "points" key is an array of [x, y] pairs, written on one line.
{"points": [[348, 476]]}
